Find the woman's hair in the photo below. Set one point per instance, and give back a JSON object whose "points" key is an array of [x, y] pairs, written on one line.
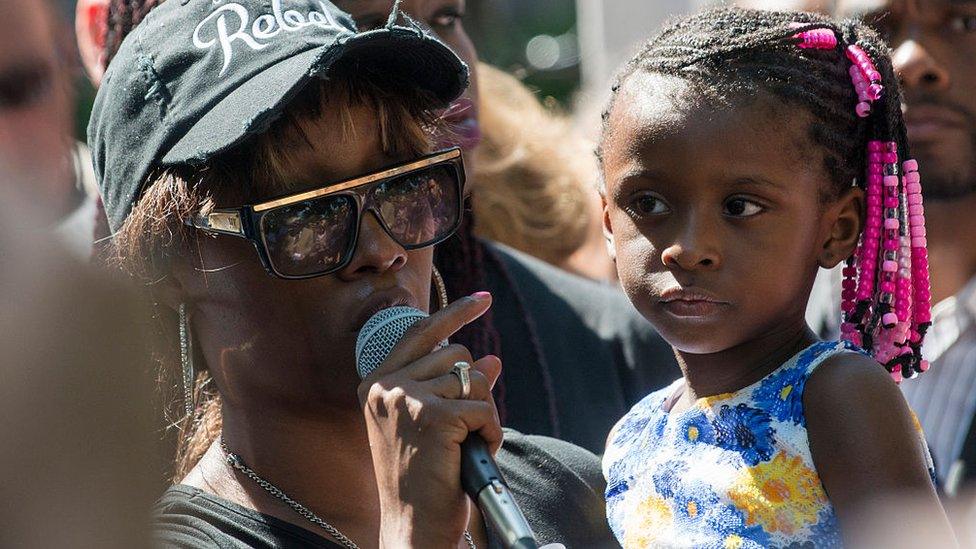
{"points": [[811, 62], [154, 233], [532, 176]]}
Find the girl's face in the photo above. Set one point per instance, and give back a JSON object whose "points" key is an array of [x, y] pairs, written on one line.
{"points": [[446, 19], [715, 213], [289, 344]]}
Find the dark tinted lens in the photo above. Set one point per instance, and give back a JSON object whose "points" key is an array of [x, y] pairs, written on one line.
{"points": [[420, 208], [309, 237]]}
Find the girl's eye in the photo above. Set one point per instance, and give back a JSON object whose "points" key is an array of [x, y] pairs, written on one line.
{"points": [[647, 204], [963, 23], [740, 207]]}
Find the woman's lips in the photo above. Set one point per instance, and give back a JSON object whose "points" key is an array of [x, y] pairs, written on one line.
{"points": [[463, 129]]}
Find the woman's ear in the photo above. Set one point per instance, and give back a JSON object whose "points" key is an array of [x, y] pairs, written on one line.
{"points": [[168, 291], [608, 229], [846, 219]]}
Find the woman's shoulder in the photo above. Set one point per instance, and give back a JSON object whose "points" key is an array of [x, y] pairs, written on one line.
{"points": [[189, 518], [559, 486]]}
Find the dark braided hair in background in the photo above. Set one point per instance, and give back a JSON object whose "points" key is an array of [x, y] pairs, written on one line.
{"points": [[123, 16], [462, 259], [730, 56]]}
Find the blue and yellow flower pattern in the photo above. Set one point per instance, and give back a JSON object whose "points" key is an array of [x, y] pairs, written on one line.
{"points": [[734, 471]]}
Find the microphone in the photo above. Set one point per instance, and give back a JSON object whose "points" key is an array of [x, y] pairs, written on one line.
{"points": [[480, 476]]}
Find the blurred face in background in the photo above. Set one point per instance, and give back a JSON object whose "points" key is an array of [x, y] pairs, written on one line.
{"points": [[934, 43], [35, 108], [446, 19]]}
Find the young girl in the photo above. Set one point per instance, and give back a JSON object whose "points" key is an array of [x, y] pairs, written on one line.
{"points": [[739, 153]]}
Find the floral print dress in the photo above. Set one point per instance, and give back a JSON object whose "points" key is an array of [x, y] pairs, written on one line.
{"points": [[734, 471]]}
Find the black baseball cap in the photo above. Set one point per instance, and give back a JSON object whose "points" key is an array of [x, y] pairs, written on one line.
{"points": [[197, 77]]}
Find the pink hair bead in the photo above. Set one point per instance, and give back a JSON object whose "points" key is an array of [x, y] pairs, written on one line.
{"points": [[890, 180], [889, 266], [863, 109], [910, 165], [923, 365], [874, 91], [919, 242], [912, 177], [874, 145]]}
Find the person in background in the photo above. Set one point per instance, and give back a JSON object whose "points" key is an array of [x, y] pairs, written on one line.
{"points": [[934, 45], [36, 102], [566, 341], [74, 414], [534, 186]]}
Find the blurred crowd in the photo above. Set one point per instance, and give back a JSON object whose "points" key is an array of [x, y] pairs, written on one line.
{"points": [[91, 421]]}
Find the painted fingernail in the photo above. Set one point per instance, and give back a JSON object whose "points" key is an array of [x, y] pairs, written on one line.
{"points": [[481, 296]]}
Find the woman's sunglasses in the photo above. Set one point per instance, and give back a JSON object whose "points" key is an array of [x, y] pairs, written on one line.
{"points": [[314, 233]]}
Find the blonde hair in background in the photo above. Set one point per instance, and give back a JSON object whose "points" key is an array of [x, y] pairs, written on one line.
{"points": [[154, 232], [533, 180]]}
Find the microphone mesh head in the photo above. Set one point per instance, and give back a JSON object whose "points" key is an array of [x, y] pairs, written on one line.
{"points": [[380, 334]]}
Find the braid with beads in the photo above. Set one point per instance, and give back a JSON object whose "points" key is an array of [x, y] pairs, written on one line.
{"points": [[841, 73]]}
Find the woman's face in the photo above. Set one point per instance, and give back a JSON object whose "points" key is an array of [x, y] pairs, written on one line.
{"points": [[289, 344], [445, 19]]}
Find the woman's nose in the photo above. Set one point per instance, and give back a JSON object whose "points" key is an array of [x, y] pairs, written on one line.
{"points": [[376, 252]]}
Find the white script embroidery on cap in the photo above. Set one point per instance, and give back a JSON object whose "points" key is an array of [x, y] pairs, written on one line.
{"points": [[259, 34]]}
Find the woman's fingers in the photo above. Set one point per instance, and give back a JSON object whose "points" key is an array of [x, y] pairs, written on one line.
{"points": [[427, 333], [480, 416], [449, 386], [435, 364], [490, 366]]}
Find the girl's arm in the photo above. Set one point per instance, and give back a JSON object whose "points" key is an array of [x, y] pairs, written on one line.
{"points": [[871, 458]]}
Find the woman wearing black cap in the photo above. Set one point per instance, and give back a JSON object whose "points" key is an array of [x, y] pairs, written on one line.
{"points": [[303, 149]]}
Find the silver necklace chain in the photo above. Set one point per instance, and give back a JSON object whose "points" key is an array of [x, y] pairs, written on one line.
{"points": [[236, 462]]}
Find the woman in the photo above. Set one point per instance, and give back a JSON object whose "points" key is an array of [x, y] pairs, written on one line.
{"points": [[566, 341], [238, 120]]}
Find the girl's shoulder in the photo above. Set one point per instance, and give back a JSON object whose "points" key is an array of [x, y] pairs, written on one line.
{"points": [[647, 415]]}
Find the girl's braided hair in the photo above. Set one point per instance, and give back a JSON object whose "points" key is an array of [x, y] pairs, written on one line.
{"points": [[732, 55]]}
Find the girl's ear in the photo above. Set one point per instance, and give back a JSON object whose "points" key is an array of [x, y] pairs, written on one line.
{"points": [[608, 229], [846, 220]]}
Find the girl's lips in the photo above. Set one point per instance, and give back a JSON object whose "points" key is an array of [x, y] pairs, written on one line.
{"points": [[690, 303], [692, 309]]}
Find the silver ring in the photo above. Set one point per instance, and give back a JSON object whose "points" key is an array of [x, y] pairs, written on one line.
{"points": [[461, 370]]}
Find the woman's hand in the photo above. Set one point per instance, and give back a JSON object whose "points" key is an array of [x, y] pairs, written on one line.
{"points": [[416, 422]]}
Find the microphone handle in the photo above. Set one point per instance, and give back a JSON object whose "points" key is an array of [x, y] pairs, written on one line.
{"points": [[484, 483]]}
